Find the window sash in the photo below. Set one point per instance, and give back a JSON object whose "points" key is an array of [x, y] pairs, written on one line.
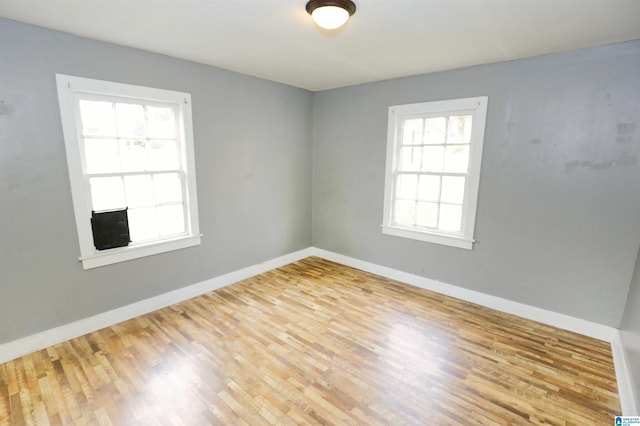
{"points": [[399, 145], [182, 202]]}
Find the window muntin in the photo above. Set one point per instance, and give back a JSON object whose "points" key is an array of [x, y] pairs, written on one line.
{"points": [[130, 147], [433, 165]]}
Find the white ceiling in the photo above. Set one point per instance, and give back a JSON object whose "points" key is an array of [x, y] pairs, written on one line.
{"points": [[276, 39]]}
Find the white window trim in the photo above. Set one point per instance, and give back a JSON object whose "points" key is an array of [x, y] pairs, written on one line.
{"points": [[477, 107], [69, 90]]}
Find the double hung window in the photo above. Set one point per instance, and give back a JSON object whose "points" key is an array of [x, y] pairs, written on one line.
{"points": [[434, 150], [130, 151]]}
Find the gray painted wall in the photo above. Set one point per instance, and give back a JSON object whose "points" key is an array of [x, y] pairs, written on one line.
{"points": [[253, 155], [630, 330], [558, 221], [559, 209]]}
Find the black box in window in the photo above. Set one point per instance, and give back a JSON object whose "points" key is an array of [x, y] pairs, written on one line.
{"points": [[110, 229]]}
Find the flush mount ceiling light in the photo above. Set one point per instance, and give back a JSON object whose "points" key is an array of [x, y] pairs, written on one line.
{"points": [[330, 14]]}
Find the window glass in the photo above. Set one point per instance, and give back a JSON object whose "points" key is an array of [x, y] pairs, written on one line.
{"points": [[107, 193], [427, 215], [452, 189], [412, 132], [163, 155], [429, 188], [459, 130], [102, 155], [435, 130], [167, 188], [139, 191], [143, 224], [162, 124], [98, 118], [131, 120]]}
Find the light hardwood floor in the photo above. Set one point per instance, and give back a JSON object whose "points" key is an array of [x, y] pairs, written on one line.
{"points": [[315, 342]]}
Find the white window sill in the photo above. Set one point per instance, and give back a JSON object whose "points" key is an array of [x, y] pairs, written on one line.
{"points": [[122, 254], [447, 240]]}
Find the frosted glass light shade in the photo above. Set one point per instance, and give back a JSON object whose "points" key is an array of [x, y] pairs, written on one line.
{"points": [[330, 14], [330, 17]]}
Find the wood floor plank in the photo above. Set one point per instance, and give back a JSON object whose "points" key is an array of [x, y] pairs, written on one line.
{"points": [[315, 342]]}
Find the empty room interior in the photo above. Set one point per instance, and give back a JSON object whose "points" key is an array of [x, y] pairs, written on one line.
{"points": [[233, 212]]}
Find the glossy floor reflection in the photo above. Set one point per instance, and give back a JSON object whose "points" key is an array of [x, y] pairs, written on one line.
{"points": [[316, 343]]}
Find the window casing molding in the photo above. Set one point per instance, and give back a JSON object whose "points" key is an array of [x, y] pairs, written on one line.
{"points": [[476, 108], [70, 91]]}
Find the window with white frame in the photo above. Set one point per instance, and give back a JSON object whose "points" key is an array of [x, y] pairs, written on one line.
{"points": [[434, 153], [129, 151]]}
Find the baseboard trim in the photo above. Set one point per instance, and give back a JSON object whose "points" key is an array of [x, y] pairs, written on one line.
{"points": [[44, 339], [566, 322], [623, 376]]}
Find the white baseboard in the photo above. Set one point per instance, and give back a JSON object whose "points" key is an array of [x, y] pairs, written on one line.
{"points": [[34, 342], [623, 376], [584, 327]]}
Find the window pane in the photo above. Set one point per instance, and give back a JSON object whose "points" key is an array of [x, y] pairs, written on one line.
{"points": [[102, 155], [407, 187], [450, 218], [130, 119], [133, 155], [163, 155], [452, 189], [168, 188], [139, 190], [459, 130], [427, 215], [433, 157], [412, 132], [410, 159], [404, 212], [434, 130], [107, 193], [456, 159], [143, 224], [429, 188], [171, 219], [98, 118], [162, 124]]}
